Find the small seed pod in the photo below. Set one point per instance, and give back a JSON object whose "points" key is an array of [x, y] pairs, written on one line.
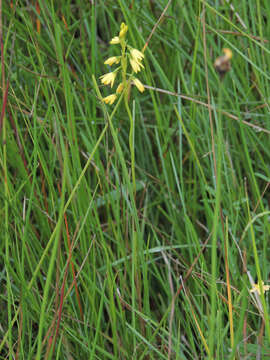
{"points": [[222, 64]]}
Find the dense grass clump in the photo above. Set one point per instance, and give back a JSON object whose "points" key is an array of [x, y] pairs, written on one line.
{"points": [[134, 230]]}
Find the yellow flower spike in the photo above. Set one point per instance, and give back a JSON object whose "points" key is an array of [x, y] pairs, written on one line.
{"points": [[120, 88], [138, 85], [136, 54], [108, 79], [115, 40], [110, 99], [256, 287], [112, 60], [136, 65], [123, 30]]}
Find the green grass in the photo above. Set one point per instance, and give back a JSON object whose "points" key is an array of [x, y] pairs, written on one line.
{"points": [[94, 263]]}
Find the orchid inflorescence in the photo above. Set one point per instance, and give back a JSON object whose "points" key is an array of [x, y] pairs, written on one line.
{"points": [[128, 55]]}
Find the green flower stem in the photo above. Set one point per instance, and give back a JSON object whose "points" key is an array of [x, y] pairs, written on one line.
{"points": [[131, 141], [126, 87], [124, 63]]}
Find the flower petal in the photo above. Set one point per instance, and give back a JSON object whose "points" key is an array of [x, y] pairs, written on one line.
{"points": [[108, 79], [110, 99], [256, 287], [123, 30], [112, 60], [136, 65], [115, 40], [119, 88], [138, 85], [136, 54], [228, 53]]}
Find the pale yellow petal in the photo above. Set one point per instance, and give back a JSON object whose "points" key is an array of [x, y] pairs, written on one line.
{"points": [[120, 88], [110, 99], [108, 79], [228, 53], [136, 54], [112, 60], [136, 65], [256, 288], [115, 40], [138, 84]]}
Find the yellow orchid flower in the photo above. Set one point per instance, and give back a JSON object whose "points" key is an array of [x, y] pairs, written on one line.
{"points": [[108, 79]]}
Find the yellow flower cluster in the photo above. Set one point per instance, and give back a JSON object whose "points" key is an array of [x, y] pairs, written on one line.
{"points": [[256, 288], [135, 58]]}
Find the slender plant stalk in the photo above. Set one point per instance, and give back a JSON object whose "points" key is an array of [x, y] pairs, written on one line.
{"points": [[131, 143], [216, 223], [226, 247]]}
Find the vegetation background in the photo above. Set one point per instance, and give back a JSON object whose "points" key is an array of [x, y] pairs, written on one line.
{"points": [[91, 269]]}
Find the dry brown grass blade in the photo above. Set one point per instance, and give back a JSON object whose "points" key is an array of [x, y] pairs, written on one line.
{"points": [[227, 114], [156, 25]]}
